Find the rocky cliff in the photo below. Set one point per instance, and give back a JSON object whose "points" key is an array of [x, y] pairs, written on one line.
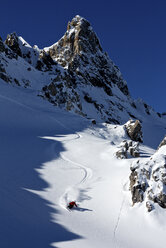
{"points": [[148, 179]]}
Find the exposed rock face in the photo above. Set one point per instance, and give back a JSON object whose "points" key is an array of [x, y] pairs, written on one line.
{"points": [[134, 130], [138, 182], [12, 42], [79, 51], [46, 58], [128, 148], [148, 180], [149, 206], [34, 56], [2, 47], [163, 142], [45, 62], [65, 93], [4, 77], [133, 149], [82, 66], [122, 153], [78, 39]]}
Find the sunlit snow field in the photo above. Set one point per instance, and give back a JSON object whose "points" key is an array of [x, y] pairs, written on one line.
{"points": [[50, 157]]}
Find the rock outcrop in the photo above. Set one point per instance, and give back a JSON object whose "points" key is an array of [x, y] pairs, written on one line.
{"points": [[138, 181], [12, 42], [128, 148], [134, 130], [163, 142], [148, 180]]}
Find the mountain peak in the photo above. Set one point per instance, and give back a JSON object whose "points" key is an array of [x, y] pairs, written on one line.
{"points": [[79, 39], [80, 32], [78, 22], [80, 53]]}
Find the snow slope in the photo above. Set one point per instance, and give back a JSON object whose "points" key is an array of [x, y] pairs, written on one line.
{"points": [[99, 183], [25, 218], [48, 157]]}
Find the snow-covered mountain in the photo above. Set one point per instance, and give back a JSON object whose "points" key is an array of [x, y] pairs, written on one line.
{"points": [[74, 73], [92, 153]]}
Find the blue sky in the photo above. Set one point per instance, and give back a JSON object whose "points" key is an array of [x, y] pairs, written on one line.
{"points": [[132, 33]]}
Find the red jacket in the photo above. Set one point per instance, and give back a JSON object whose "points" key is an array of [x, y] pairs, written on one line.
{"points": [[72, 204]]}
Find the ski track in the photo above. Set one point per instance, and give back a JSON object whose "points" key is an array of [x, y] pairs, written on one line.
{"points": [[24, 105], [16, 102], [117, 223], [124, 187], [87, 171], [76, 187]]}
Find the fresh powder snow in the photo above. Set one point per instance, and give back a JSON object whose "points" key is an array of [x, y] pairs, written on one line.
{"points": [[50, 157]]}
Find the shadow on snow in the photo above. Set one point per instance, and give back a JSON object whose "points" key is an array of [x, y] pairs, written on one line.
{"points": [[25, 218]]}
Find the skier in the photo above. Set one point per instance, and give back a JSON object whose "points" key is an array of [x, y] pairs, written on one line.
{"points": [[72, 204]]}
